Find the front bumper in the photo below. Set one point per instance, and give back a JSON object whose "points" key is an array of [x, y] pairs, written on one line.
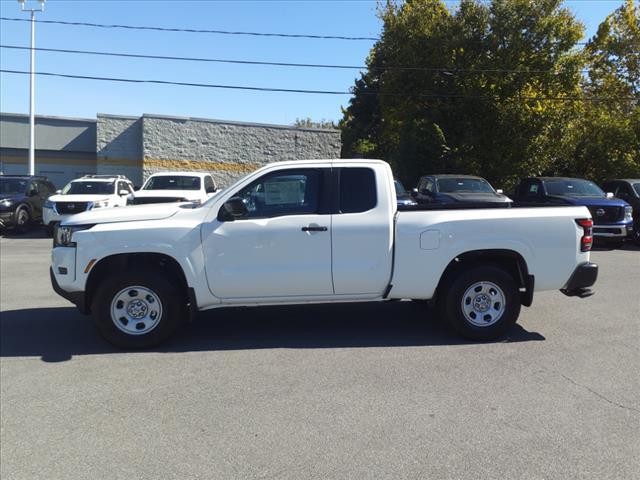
{"points": [[7, 219], [583, 277], [613, 231], [77, 298], [51, 217]]}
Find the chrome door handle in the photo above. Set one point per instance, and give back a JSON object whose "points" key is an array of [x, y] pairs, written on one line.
{"points": [[314, 229]]}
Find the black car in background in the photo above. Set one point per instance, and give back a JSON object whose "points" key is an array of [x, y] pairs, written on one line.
{"points": [[21, 199], [612, 222], [443, 189], [403, 197], [629, 191]]}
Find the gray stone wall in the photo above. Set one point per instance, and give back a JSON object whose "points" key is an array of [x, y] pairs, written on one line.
{"points": [[227, 149], [119, 146]]}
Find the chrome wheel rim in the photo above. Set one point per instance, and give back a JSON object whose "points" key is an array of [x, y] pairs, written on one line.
{"points": [[483, 304], [136, 310], [22, 217]]}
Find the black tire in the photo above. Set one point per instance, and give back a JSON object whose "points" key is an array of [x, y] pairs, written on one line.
{"points": [[23, 219], [173, 308], [451, 305]]}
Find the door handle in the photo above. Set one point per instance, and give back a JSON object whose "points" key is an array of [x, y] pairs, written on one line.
{"points": [[314, 229]]}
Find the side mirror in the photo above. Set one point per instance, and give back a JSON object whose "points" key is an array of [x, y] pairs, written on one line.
{"points": [[609, 195], [414, 192], [123, 192], [232, 209], [499, 191], [58, 192]]}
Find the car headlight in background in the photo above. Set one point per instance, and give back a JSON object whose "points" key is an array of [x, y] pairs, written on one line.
{"points": [[98, 204], [628, 213], [62, 235], [7, 202]]}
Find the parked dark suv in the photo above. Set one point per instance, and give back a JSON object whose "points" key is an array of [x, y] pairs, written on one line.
{"points": [[629, 191], [21, 199], [456, 189], [612, 220]]}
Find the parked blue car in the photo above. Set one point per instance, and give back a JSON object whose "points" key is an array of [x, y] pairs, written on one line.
{"points": [[612, 217]]}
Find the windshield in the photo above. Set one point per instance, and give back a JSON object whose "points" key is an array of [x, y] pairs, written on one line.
{"points": [[88, 188], [636, 187], [453, 185], [573, 188], [400, 190], [11, 186], [170, 182]]}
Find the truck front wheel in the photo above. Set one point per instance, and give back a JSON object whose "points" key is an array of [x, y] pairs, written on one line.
{"points": [[138, 309], [482, 303]]}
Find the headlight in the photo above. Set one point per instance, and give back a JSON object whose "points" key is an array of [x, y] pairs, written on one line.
{"points": [[6, 202], [63, 235], [628, 213], [99, 204], [48, 204]]}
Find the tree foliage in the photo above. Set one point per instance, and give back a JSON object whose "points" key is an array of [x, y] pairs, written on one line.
{"points": [[309, 123], [495, 89]]}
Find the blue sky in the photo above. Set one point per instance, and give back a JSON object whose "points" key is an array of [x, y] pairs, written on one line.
{"points": [[80, 98]]}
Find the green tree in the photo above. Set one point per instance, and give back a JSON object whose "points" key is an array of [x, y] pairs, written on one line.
{"points": [[606, 137], [478, 90], [309, 123]]}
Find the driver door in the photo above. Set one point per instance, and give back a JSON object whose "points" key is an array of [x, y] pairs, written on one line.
{"points": [[281, 247]]}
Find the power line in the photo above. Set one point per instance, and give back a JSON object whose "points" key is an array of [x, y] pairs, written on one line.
{"points": [[192, 30], [288, 64], [321, 92]]}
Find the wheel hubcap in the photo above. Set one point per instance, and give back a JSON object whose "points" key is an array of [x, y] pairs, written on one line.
{"points": [[136, 310], [483, 304]]}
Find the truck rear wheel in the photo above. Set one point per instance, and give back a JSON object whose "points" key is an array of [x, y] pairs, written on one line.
{"points": [[482, 303], [138, 309]]}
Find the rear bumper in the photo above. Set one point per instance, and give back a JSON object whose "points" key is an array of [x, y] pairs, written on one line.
{"points": [[583, 277], [77, 298]]}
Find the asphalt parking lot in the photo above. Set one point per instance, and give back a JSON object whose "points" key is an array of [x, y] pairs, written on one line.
{"points": [[341, 391]]}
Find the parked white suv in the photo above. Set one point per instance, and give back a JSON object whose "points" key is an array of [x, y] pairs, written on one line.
{"points": [[166, 187], [86, 193]]}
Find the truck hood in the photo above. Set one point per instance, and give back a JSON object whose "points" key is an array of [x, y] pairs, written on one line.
{"points": [[124, 214], [477, 197], [190, 194], [78, 198], [592, 201], [12, 197]]}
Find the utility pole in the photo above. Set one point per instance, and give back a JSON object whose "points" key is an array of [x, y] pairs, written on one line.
{"points": [[32, 85]]}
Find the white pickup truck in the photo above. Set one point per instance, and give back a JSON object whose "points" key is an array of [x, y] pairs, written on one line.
{"points": [[312, 232]]}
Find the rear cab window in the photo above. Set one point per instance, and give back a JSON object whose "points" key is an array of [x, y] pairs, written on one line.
{"points": [[358, 190]]}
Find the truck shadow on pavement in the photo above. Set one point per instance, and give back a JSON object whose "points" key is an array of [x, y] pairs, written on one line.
{"points": [[57, 334]]}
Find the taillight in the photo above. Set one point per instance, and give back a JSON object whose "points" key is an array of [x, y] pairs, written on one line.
{"points": [[587, 236]]}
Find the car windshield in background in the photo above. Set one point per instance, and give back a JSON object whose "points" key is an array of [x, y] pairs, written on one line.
{"points": [[88, 188], [11, 186], [453, 185], [573, 188], [400, 190], [168, 182], [636, 187]]}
